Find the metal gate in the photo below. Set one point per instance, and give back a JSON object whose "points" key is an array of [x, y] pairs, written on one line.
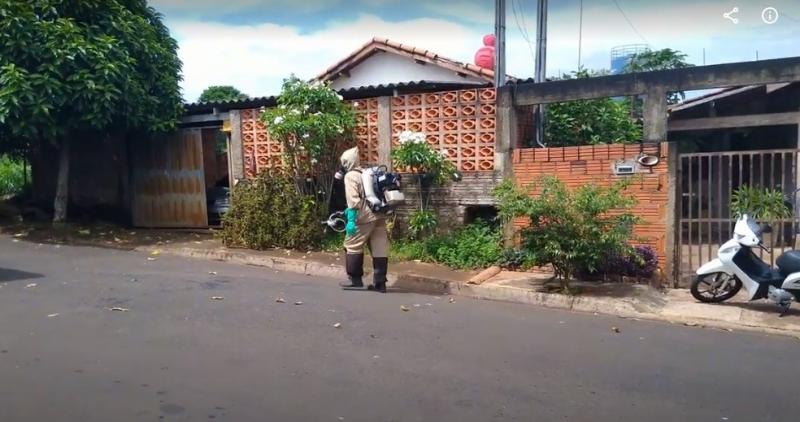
{"points": [[706, 182], [169, 185]]}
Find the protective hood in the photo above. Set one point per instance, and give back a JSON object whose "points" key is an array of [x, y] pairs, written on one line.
{"points": [[349, 159]]}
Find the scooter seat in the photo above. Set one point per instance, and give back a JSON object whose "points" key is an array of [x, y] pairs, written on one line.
{"points": [[789, 262]]}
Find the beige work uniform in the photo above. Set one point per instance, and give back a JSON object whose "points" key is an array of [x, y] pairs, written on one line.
{"points": [[370, 227]]}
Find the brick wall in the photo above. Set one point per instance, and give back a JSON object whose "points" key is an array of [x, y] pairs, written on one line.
{"points": [[576, 166]]}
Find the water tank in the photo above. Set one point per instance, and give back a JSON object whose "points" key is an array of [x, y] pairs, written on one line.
{"points": [[621, 55]]}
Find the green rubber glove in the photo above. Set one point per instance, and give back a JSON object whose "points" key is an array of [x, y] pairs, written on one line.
{"points": [[350, 215]]}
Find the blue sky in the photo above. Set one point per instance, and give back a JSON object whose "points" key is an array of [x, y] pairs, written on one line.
{"points": [[254, 44]]}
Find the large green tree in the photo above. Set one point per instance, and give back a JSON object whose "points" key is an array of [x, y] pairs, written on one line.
{"points": [[607, 120], [221, 93], [76, 68], [664, 59]]}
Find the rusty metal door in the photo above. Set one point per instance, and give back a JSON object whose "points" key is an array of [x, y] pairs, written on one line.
{"points": [[706, 182], [169, 183]]}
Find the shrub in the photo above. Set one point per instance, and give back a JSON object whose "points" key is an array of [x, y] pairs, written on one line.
{"points": [[515, 260], [421, 222], [476, 245], [269, 212], [760, 203], [570, 230], [12, 176], [431, 167], [639, 262]]}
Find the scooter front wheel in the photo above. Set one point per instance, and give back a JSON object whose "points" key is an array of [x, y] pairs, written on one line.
{"points": [[715, 287]]}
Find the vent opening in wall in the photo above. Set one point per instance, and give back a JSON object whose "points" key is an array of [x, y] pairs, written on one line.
{"points": [[473, 213]]}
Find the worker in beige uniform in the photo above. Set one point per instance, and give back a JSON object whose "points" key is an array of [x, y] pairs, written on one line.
{"points": [[364, 228]]}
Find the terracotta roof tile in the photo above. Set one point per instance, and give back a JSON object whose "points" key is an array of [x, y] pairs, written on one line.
{"points": [[384, 44]]}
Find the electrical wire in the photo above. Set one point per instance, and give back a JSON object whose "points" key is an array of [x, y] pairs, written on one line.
{"points": [[522, 27], [629, 22]]}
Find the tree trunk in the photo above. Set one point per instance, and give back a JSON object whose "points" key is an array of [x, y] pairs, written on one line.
{"points": [[62, 186]]}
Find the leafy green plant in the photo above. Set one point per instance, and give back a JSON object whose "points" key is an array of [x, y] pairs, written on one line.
{"points": [[431, 167], [476, 245], [12, 176], [421, 222], [332, 242], [760, 203], [515, 259], [314, 126], [590, 122], [570, 229], [269, 212]]}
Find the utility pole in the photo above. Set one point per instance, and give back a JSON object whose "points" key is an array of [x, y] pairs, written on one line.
{"points": [[500, 43], [541, 65], [580, 35]]}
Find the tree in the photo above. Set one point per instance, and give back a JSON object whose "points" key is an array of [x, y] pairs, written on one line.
{"points": [[76, 68], [590, 122], [314, 126], [664, 59], [221, 93], [607, 120]]}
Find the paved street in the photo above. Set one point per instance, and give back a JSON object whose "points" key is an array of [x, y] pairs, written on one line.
{"points": [[176, 354]]}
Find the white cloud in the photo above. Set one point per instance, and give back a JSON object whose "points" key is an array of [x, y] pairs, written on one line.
{"points": [[256, 58]]}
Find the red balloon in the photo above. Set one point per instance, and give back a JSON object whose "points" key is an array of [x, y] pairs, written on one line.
{"points": [[485, 55]]}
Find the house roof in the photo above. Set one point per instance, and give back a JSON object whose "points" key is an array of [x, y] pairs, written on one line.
{"points": [[377, 45]]}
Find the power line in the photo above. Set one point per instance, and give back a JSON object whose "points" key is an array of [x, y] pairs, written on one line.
{"points": [[522, 27], [630, 23]]}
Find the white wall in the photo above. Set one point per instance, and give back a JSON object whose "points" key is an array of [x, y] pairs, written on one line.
{"points": [[388, 68]]}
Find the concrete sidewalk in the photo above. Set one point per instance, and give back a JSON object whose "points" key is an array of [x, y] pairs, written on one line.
{"points": [[623, 300]]}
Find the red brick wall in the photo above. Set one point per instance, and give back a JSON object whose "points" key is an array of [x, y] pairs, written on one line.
{"points": [[576, 166]]}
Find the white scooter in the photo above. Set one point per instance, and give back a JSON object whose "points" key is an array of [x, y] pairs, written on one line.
{"points": [[737, 265]]}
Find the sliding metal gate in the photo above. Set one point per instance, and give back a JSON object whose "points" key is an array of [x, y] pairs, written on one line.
{"points": [[706, 182]]}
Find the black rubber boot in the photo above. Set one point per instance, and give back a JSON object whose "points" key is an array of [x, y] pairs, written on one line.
{"points": [[380, 267], [354, 264]]}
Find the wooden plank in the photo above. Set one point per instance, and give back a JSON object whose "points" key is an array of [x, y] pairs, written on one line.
{"points": [[750, 120], [169, 181]]}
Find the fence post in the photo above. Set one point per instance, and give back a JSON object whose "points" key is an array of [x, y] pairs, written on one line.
{"points": [[236, 151], [385, 131], [655, 115], [505, 134], [672, 250]]}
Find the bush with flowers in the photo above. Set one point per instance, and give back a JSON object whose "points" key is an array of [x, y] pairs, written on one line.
{"points": [[431, 167], [314, 126], [284, 207]]}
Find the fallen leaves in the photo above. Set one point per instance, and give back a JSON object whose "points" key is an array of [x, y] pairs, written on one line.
{"points": [[280, 300], [690, 324], [217, 298], [452, 300], [84, 232], [31, 285], [615, 329], [150, 258], [212, 272], [298, 303], [52, 315], [337, 325], [118, 309], [155, 252], [404, 308]]}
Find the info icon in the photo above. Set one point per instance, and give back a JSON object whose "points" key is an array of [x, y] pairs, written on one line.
{"points": [[769, 15]]}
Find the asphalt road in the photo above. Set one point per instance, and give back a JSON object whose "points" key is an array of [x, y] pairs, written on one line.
{"points": [[176, 354]]}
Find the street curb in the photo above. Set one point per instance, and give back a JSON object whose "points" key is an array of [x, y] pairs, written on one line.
{"points": [[657, 310]]}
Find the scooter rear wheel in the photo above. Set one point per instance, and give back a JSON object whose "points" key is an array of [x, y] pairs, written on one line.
{"points": [[712, 288]]}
